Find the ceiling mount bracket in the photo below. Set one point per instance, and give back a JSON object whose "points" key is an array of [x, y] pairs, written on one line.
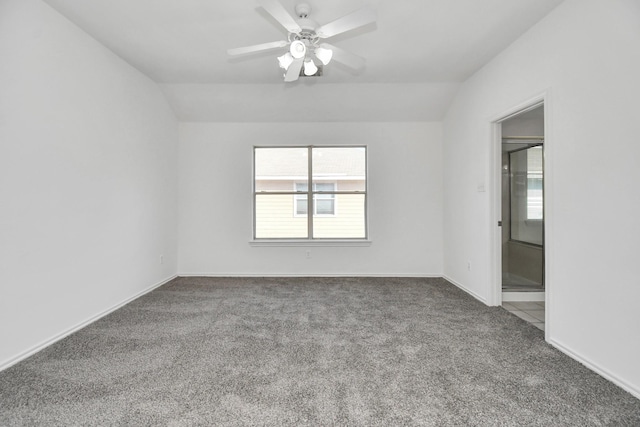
{"points": [[303, 10]]}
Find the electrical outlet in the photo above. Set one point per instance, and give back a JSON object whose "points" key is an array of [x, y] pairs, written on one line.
{"points": [[161, 259], [308, 254], [469, 265]]}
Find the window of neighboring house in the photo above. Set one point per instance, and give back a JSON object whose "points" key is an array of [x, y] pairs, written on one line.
{"points": [[324, 203], [283, 195]]}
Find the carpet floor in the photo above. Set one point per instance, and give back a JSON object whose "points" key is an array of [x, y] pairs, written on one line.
{"points": [[312, 351]]}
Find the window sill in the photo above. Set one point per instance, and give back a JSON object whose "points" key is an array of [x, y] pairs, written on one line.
{"points": [[316, 243]]}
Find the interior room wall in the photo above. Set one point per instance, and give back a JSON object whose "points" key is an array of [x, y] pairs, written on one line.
{"points": [[405, 200], [87, 179], [586, 56]]}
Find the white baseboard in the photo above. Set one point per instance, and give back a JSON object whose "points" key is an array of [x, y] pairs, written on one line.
{"points": [[467, 290], [408, 275], [46, 343], [634, 390]]}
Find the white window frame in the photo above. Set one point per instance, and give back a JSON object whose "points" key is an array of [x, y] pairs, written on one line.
{"points": [[310, 240]]}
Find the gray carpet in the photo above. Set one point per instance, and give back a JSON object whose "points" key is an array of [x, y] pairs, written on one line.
{"points": [[341, 351]]}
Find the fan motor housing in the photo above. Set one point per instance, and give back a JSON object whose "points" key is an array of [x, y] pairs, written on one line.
{"points": [[308, 25]]}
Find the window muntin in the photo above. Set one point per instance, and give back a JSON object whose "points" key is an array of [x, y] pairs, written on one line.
{"points": [[282, 196]]}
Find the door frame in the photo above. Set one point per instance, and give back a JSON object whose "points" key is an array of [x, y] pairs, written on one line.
{"points": [[495, 166]]}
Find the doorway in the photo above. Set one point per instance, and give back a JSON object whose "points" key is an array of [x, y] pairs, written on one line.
{"points": [[522, 213], [521, 237]]}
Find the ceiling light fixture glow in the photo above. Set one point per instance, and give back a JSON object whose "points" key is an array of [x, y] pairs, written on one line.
{"points": [[324, 54], [298, 50], [285, 60], [310, 68]]}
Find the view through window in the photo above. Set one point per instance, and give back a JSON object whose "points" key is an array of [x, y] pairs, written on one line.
{"points": [[336, 197], [527, 199]]}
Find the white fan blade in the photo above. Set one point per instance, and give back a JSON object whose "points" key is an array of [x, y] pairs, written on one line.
{"points": [[281, 15], [348, 22], [257, 48], [344, 57], [293, 72]]}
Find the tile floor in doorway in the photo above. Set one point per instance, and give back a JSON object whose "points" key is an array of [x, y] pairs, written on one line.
{"points": [[531, 311]]}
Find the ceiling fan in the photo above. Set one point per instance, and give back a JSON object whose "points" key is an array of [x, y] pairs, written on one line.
{"points": [[304, 40]]}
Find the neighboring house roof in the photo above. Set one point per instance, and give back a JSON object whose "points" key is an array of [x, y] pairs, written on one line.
{"points": [[327, 161]]}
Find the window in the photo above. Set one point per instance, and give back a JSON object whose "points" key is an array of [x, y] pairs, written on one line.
{"points": [[325, 201], [283, 196], [527, 198], [534, 182]]}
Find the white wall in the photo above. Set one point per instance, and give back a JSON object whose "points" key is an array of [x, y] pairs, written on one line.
{"points": [[586, 53], [88, 183], [405, 200]]}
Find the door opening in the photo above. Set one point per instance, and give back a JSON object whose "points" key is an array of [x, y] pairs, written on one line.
{"points": [[523, 214], [521, 245], [522, 240]]}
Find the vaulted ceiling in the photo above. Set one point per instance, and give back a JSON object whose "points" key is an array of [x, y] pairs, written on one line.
{"points": [[417, 53]]}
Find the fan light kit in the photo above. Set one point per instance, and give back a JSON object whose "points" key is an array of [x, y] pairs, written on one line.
{"points": [[304, 47]]}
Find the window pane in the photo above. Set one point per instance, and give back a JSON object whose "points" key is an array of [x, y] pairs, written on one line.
{"points": [[301, 205], [344, 165], [324, 206], [534, 183], [275, 219], [324, 186], [348, 221], [526, 204], [276, 168]]}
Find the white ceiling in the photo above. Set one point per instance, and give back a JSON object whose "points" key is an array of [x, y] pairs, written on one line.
{"points": [[417, 54]]}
